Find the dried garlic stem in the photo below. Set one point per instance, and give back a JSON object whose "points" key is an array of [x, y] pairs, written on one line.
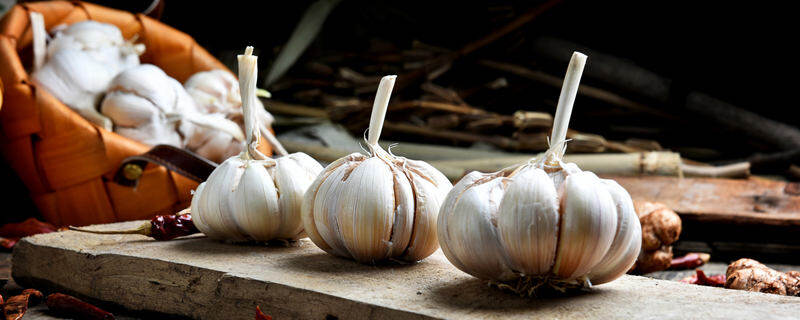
{"points": [[379, 110], [565, 101], [248, 73], [39, 39]]}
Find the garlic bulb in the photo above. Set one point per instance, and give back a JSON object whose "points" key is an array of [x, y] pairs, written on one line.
{"points": [[544, 222], [251, 196], [81, 61], [375, 207], [217, 91], [149, 106]]}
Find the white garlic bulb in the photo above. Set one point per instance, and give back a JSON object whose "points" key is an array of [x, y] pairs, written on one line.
{"points": [[545, 222], [376, 207], [251, 196], [81, 61], [217, 91], [149, 106]]}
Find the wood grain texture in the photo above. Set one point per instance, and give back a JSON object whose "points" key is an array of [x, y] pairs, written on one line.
{"points": [[747, 201]]}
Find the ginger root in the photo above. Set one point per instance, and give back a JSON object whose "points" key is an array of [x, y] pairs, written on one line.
{"points": [[751, 275], [660, 228]]}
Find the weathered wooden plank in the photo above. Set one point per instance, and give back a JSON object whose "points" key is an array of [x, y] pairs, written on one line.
{"points": [[204, 279], [737, 201]]}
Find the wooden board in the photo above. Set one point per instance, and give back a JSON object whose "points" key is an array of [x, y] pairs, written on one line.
{"points": [[740, 201], [205, 279], [732, 218]]}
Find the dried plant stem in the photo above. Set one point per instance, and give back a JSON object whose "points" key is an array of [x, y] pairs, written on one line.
{"points": [[734, 170], [379, 109], [565, 102]]}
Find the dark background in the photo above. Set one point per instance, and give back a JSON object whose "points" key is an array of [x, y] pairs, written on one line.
{"points": [[740, 52]]}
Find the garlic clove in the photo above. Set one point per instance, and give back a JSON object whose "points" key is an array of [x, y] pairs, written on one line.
{"points": [[309, 208], [195, 206], [255, 204], [292, 175], [628, 240], [366, 221], [324, 204], [128, 110], [528, 221], [467, 230], [429, 185], [215, 201], [588, 223]]}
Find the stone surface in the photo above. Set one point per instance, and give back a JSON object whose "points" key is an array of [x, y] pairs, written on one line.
{"points": [[204, 279]]}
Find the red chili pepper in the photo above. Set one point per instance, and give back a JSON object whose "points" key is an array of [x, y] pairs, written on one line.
{"points": [[11, 232], [700, 278], [690, 261], [166, 227], [260, 315], [16, 306], [70, 307]]}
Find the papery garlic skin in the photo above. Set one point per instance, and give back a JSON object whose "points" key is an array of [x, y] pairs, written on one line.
{"points": [[376, 207], [542, 222], [251, 196]]}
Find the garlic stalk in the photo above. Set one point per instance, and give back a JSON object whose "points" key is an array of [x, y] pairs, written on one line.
{"points": [[541, 223], [251, 196], [80, 63], [375, 207]]}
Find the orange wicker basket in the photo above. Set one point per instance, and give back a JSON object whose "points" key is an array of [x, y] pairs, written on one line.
{"points": [[67, 163]]}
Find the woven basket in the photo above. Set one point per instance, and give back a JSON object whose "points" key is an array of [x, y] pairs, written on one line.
{"points": [[67, 163]]}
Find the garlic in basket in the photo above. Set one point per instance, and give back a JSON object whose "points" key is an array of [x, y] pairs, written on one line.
{"points": [[80, 62], [251, 196], [543, 223], [147, 105], [376, 207], [217, 91]]}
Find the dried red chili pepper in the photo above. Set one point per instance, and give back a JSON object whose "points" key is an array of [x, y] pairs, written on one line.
{"points": [[11, 233], [690, 261], [166, 227], [16, 306], [70, 307], [260, 315], [700, 278]]}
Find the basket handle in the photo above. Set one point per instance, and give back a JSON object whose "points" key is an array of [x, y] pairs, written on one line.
{"points": [[185, 163]]}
